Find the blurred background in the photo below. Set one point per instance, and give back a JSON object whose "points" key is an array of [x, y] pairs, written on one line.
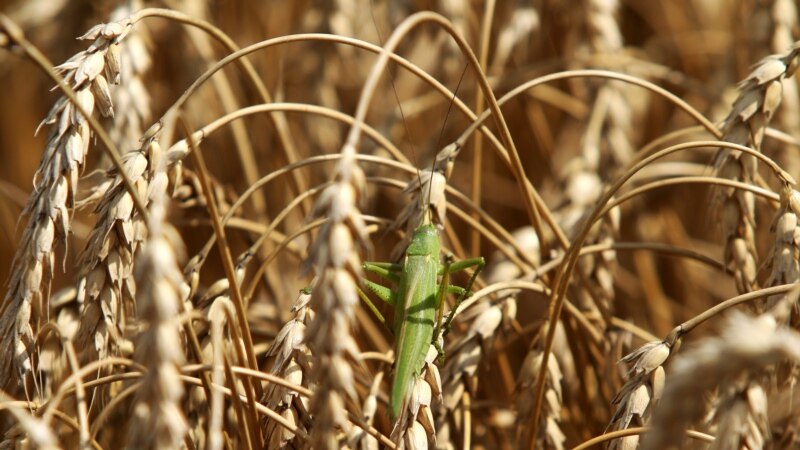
{"points": [[574, 136]]}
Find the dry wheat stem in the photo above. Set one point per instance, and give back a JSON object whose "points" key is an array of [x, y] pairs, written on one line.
{"points": [[251, 391], [716, 181], [85, 370], [224, 249], [593, 73], [336, 39], [217, 124], [478, 122], [414, 69], [229, 103], [611, 435], [692, 323], [401, 30], [211, 30], [585, 324], [368, 158], [272, 415], [477, 149]]}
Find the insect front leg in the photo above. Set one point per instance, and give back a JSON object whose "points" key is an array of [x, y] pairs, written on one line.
{"points": [[478, 263], [444, 288], [388, 272]]}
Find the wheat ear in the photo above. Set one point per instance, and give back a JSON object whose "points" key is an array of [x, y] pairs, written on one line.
{"points": [[158, 421], [25, 308], [334, 297], [759, 97]]}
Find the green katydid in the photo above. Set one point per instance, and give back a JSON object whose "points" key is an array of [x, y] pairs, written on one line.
{"points": [[419, 298]]}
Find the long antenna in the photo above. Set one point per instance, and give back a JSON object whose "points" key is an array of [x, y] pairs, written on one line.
{"points": [[426, 211], [441, 132], [396, 96]]}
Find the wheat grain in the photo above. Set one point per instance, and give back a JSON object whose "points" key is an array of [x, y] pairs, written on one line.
{"points": [[288, 357], [549, 433], [759, 97], [106, 288], [158, 421], [415, 428], [334, 257], [640, 395]]}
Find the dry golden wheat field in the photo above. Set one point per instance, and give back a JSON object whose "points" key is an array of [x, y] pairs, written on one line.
{"points": [[262, 224]]}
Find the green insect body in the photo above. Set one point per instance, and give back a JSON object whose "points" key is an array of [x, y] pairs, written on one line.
{"points": [[416, 306], [417, 300]]}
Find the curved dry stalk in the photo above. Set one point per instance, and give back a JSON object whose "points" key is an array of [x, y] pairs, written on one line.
{"points": [[636, 431], [369, 87]]}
